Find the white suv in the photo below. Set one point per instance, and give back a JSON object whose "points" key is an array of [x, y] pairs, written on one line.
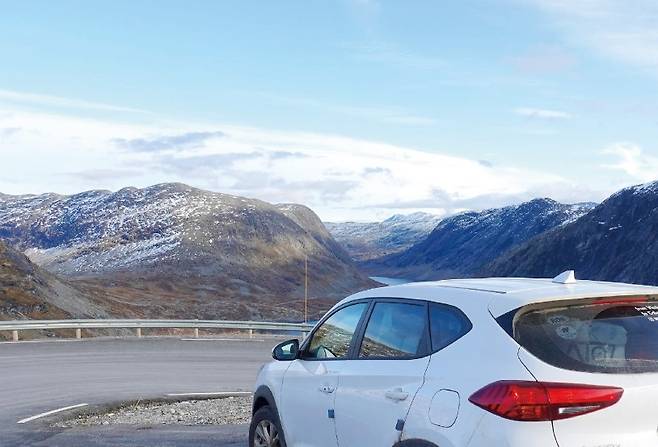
{"points": [[476, 362]]}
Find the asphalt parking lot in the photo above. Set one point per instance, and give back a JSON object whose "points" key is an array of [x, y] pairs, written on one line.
{"points": [[39, 377]]}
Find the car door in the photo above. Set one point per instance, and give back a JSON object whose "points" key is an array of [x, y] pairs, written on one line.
{"points": [[310, 383], [376, 388]]}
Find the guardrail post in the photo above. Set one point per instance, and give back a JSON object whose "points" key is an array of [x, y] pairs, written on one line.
{"points": [[78, 333], [14, 335], [139, 332], [251, 333], [196, 332]]}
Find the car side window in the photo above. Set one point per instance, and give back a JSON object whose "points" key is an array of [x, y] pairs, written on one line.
{"points": [[447, 325], [395, 330], [332, 339]]}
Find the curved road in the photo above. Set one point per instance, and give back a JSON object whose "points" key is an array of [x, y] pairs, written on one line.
{"points": [[43, 376]]}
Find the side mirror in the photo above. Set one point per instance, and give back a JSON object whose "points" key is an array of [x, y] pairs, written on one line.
{"points": [[286, 351]]}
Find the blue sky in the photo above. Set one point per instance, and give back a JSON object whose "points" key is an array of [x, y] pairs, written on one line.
{"points": [[358, 108]]}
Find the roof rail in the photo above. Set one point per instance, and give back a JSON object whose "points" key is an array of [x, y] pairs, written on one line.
{"points": [[566, 277]]}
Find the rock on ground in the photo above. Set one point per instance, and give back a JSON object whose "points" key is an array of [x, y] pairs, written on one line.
{"points": [[227, 410]]}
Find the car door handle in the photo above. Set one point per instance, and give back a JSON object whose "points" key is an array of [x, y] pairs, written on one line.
{"points": [[327, 389], [396, 394]]}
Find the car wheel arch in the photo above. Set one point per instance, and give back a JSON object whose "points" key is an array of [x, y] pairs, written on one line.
{"points": [[264, 397], [415, 443]]}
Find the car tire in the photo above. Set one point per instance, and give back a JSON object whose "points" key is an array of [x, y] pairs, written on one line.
{"points": [[265, 429]]}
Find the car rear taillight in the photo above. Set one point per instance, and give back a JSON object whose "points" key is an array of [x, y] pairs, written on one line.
{"points": [[543, 401]]}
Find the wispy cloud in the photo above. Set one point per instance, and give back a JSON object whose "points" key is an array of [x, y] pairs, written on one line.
{"points": [[545, 114], [60, 102], [615, 28], [544, 59], [9, 131], [202, 165], [188, 140], [386, 53], [366, 13], [93, 175], [340, 177], [632, 160], [383, 114], [392, 115]]}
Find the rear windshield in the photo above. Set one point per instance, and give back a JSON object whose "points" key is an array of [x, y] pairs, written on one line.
{"points": [[607, 335]]}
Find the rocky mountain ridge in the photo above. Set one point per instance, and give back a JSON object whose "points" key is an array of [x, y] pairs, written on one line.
{"points": [[205, 251], [616, 241], [27, 291], [369, 240], [462, 244]]}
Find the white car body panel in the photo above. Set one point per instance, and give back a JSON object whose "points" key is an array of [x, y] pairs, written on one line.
{"points": [[271, 377], [308, 393], [450, 369], [484, 355], [632, 422], [363, 385], [444, 408]]}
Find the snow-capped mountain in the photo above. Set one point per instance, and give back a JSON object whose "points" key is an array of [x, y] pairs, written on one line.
{"points": [[461, 244], [616, 241], [368, 240], [182, 242]]}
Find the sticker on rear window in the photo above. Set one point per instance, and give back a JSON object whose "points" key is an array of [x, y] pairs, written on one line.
{"points": [[650, 311], [567, 331], [557, 320]]}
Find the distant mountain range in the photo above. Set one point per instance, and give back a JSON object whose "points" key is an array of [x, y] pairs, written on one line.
{"points": [[173, 250], [461, 245], [370, 240], [616, 241]]}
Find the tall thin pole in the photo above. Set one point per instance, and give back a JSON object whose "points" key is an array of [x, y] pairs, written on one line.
{"points": [[305, 288]]}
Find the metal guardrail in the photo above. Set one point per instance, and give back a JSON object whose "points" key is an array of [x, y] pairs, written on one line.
{"points": [[78, 325]]}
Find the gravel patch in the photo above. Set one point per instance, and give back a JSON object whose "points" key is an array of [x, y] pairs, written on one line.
{"points": [[223, 411]]}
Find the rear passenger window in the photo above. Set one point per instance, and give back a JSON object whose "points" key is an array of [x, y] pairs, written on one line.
{"points": [[447, 325], [395, 330]]}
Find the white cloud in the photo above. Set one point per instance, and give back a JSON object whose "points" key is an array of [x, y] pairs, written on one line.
{"points": [[632, 160], [544, 59], [392, 115], [622, 29], [382, 114], [386, 53], [530, 112], [366, 13], [58, 101], [340, 177]]}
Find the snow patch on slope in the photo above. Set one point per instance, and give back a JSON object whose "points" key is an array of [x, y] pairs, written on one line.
{"points": [[101, 230]]}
